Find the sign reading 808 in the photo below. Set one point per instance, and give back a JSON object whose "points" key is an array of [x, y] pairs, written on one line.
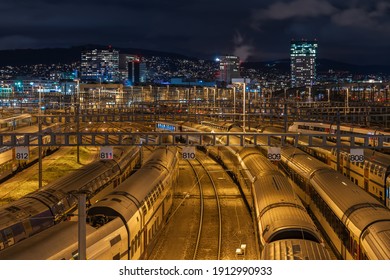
{"points": [[356, 155]]}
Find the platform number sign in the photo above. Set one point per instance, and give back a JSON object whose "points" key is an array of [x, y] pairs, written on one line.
{"points": [[188, 153], [356, 155], [274, 154], [106, 152], [22, 153]]}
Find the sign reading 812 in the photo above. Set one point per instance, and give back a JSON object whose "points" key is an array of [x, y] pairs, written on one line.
{"points": [[22, 153]]}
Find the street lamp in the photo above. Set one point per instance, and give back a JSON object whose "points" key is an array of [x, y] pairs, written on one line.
{"points": [[242, 82], [40, 138], [243, 106], [234, 104], [77, 106]]}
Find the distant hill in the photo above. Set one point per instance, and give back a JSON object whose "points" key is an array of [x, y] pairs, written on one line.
{"points": [[323, 65], [65, 55], [19, 57]]}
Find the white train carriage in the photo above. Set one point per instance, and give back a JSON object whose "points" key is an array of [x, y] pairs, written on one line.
{"points": [[123, 225], [361, 135], [50, 205], [142, 209], [279, 212], [344, 210], [372, 175]]}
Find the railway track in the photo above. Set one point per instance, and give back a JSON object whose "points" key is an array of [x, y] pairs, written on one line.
{"points": [[209, 238], [178, 241]]}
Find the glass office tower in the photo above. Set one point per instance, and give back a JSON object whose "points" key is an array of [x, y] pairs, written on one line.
{"points": [[303, 63]]}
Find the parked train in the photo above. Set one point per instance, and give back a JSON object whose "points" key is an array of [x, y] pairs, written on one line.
{"points": [[284, 228], [14, 122], [323, 128], [9, 164], [372, 174], [357, 224], [123, 225], [281, 218], [50, 205]]}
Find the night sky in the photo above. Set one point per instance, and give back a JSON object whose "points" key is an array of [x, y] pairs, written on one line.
{"points": [[352, 31]]}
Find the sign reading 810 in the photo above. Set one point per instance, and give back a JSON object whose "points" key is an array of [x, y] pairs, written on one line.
{"points": [[188, 153]]}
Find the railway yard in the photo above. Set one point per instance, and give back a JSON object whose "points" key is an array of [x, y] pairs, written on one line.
{"points": [[225, 204]]}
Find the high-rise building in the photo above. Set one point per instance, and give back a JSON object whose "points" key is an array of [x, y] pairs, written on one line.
{"points": [[303, 63], [132, 69], [100, 65], [229, 68]]}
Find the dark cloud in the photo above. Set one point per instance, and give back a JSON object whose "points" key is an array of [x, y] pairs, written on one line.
{"points": [[350, 30]]}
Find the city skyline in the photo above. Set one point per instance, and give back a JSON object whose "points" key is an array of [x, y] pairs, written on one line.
{"points": [[353, 31]]}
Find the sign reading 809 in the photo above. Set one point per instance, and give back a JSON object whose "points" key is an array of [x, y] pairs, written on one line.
{"points": [[273, 154]]}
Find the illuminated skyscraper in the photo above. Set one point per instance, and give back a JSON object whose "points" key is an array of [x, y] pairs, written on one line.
{"points": [[132, 69], [303, 63], [100, 65], [229, 68]]}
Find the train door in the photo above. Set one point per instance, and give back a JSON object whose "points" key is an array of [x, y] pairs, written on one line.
{"points": [[2, 246], [366, 175], [354, 248], [9, 237], [387, 190], [116, 247]]}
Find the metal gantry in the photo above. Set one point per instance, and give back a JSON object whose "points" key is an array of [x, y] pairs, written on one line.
{"points": [[247, 139]]}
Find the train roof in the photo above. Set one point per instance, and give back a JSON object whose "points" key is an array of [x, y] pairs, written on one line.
{"points": [[306, 163], [280, 210], [130, 194], [348, 200], [369, 154], [376, 241], [45, 244], [255, 161], [219, 124], [295, 249]]}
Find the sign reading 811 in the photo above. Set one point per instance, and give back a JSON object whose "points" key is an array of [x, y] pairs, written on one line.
{"points": [[106, 152]]}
